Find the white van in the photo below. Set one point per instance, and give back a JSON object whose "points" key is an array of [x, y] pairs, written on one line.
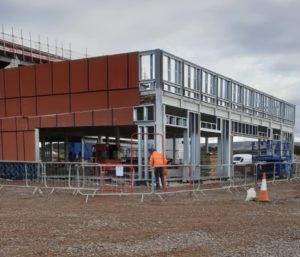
{"points": [[242, 159]]}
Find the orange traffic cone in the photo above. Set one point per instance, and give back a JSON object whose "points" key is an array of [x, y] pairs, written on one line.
{"points": [[263, 194]]}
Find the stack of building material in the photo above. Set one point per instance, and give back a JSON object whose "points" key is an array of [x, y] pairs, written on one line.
{"points": [[210, 162]]}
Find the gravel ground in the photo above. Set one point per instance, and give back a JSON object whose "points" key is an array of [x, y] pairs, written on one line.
{"points": [[218, 224]]}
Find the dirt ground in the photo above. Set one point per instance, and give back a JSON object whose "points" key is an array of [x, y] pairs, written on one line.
{"points": [[219, 223]]}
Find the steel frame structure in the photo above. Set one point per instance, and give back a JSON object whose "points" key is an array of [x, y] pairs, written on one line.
{"points": [[189, 97]]}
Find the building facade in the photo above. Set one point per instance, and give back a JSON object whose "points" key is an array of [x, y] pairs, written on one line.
{"points": [[151, 96]]}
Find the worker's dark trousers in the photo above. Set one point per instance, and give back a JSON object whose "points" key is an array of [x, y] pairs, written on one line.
{"points": [[158, 171]]}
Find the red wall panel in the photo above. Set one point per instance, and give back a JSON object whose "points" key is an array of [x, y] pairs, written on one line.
{"points": [[2, 108], [133, 73], [28, 106], [2, 86], [27, 81], [1, 145], [97, 73], [43, 79], [88, 101], [79, 75], [13, 107], [34, 122], [11, 77], [61, 83], [65, 120], [83, 119], [53, 104], [117, 71], [9, 124], [48, 121], [9, 146], [20, 146], [22, 124], [123, 116], [29, 145], [123, 98], [102, 118]]}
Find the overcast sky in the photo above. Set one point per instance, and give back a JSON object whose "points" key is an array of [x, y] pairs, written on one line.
{"points": [[256, 42]]}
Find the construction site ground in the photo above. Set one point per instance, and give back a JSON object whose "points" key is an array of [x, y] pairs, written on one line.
{"points": [[219, 223]]}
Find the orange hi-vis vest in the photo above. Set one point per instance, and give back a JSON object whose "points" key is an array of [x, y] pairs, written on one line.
{"points": [[157, 159]]}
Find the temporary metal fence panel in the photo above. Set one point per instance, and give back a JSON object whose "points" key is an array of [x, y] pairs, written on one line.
{"points": [[20, 173], [60, 174], [119, 179]]}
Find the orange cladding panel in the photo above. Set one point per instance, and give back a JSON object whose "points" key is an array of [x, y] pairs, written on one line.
{"points": [[48, 121], [28, 106], [123, 98], [2, 87], [52, 104], [34, 122], [9, 145], [102, 118], [11, 77], [117, 71], [43, 79], [97, 73], [20, 146], [9, 124], [61, 83], [83, 119], [79, 76], [27, 81], [133, 66], [13, 107], [65, 120], [2, 108], [123, 116], [29, 145], [88, 101]]}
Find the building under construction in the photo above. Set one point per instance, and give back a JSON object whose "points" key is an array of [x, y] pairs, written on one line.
{"points": [[137, 100]]}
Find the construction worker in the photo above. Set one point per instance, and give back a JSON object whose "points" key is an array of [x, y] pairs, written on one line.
{"points": [[156, 161]]}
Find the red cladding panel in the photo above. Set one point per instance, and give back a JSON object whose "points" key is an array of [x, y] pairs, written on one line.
{"points": [[2, 108], [83, 119], [27, 81], [43, 79], [13, 107], [48, 121], [20, 146], [61, 77], [123, 116], [22, 124], [1, 145], [117, 71], [133, 66], [29, 145], [98, 73], [9, 124], [2, 87], [28, 106], [9, 146], [53, 104], [79, 76], [34, 122], [88, 101], [102, 118], [65, 120], [123, 98], [11, 77]]}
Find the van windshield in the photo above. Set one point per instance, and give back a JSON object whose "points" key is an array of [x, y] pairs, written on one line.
{"points": [[237, 158]]}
